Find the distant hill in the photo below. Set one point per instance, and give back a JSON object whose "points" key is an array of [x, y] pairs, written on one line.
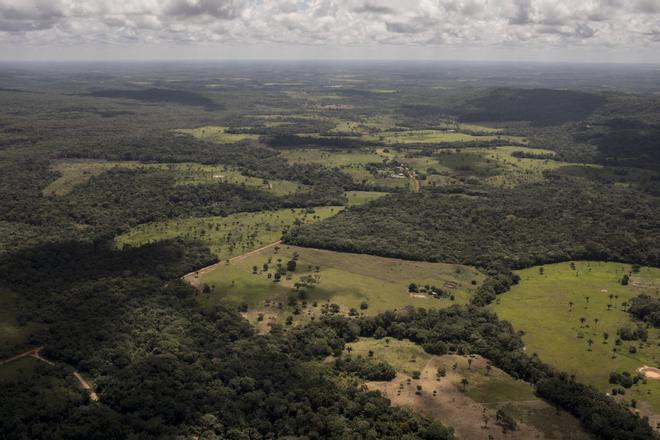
{"points": [[538, 106]]}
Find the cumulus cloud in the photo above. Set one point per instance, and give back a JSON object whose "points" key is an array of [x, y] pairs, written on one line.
{"points": [[455, 23]]}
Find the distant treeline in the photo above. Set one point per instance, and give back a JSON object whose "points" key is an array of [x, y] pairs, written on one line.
{"points": [[173, 96], [538, 106]]}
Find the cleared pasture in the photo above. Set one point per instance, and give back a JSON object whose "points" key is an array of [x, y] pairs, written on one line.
{"points": [[469, 408], [74, 173], [328, 277], [227, 236], [560, 309]]}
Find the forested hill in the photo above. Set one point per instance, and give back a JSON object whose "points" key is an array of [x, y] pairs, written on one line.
{"points": [[507, 228]]}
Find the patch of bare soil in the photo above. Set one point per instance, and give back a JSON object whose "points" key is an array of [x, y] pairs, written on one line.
{"points": [[449, 405], [650, 372]]}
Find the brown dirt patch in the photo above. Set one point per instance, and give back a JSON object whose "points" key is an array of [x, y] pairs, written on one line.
{"points": [[450, 406], [650, 372]]}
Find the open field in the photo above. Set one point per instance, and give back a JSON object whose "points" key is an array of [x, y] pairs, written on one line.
{"points": [[362, 197], [432, 137], [493, 166], [540, 306], [76, 172], [353, 163], [461, 406], [218, 134], [227, 236], [403, 355], [344, 279]]}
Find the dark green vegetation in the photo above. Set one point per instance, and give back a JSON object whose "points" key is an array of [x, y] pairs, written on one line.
{"points": [[538, 106], [647, 309], [165, 365], [513, 228], [161, 95], [168, 367]]}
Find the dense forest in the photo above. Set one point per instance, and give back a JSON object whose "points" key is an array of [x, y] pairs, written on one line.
{"points": [[501, 228]]}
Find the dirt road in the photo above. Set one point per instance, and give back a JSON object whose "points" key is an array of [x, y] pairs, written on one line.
{"points": [[193, 277], [36, 353]]}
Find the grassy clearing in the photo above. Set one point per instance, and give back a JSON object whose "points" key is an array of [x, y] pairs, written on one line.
{"points": [[486, 385], [344, 279], [404, 356], [541, 307], [13, 337], [217, 134], [77, 172], [362, 197], [227, 236], [353, 163], [434, 137], [463, 406], [493, 166]]}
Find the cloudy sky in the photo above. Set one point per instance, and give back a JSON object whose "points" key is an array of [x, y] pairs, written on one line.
{"points": [[540, 30]]}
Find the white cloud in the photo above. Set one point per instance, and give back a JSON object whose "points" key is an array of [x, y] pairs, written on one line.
{"points": [[424, 23]]}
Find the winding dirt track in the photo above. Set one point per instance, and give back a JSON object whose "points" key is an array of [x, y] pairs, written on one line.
{"points": [[33, 352], [193, 277], [36, 353]]}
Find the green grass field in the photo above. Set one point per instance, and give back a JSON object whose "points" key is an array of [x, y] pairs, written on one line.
{"points": [[540, 307], [405, 356], [362, 197], [341, 278], [492, 166], [352, 163], [77, 172], [227, 236], [217, 134]]}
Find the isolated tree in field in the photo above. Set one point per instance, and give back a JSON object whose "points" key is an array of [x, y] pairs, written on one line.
{"points": [[570, 306], [364, 305], [605, 336], [464, 383], [590, 342], [625, 280], [291, 265], [412, 287], [469, 363], [587, 298], [255, 269], [596, 322], [582, 320]]}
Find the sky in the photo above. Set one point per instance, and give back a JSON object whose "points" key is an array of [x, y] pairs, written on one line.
{"points": [[620, 31]]}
